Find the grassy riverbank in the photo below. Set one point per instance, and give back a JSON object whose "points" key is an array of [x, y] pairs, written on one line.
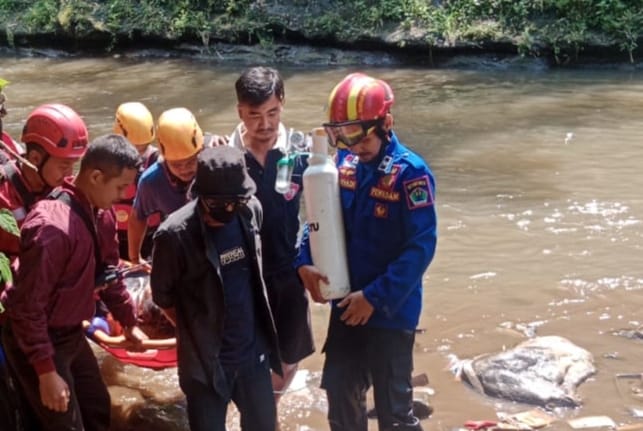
{"points": [[564, 31]]}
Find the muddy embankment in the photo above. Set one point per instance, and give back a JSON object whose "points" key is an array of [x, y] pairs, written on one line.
{"points": [[320, 33]]}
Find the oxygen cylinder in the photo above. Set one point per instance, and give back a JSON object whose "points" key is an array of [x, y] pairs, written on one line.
{"points": [[324, 217]]}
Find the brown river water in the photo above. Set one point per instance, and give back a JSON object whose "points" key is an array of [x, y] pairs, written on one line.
{"points": [[539, 204]]}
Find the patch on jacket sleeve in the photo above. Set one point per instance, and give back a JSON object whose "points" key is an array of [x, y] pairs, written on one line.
{"points": [[418, 192]]}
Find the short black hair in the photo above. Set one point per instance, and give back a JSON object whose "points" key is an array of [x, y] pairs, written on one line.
{"points": [[258, 84], [110, 154]]}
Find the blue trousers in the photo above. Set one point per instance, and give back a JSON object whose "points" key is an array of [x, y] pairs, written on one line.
{"points": [[358, 357], [250, 390]]}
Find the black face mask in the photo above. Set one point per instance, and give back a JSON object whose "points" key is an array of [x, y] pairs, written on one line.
{"points": [[223, 208], [222, 215]]}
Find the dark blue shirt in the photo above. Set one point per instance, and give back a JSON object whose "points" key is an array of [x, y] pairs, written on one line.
{"points": [[280, 212], [239, 342], [157, 193]]}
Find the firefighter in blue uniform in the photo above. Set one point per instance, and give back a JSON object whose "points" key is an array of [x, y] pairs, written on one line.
{"points": [[387, 194]]}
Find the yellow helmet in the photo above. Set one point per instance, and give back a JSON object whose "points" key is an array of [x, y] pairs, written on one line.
{"points": [[179, 135], [134, 121]]}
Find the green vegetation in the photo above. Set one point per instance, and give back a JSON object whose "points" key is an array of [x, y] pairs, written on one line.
{"points": [[559, 28], [7, 224]]}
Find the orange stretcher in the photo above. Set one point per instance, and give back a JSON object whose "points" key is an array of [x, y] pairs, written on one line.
{"points": [[156, 359]]}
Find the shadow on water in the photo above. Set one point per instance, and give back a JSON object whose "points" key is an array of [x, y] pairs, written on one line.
{"points": [[539, 201]]}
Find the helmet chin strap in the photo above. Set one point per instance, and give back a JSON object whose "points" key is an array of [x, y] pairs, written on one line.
{"points": [[40, 166], [386, 140], [383, 134]]}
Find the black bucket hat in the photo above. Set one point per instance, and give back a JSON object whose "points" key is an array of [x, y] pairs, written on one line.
{"points": [[221, 172]]}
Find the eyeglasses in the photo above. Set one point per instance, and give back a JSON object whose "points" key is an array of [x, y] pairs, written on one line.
{"points": [[349, 133], [228, 202]]}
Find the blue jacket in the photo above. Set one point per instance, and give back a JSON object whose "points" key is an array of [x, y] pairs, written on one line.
{"points": [[391, 231]]}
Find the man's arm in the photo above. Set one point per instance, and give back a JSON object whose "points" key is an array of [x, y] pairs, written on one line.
{"points": [[170, 314], [115, 295], [166, 272], [136, 229], [308, 273], [388, 292], [54, 391], [43, 257], [143, 207], [135, 336]]}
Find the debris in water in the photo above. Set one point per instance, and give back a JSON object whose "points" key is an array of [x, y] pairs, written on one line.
{"points": [[527, 420], [636, 412], [592, 422]]}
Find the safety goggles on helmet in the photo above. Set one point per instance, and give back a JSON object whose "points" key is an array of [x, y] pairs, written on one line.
{"points": [[219, 202], [349, 133]]}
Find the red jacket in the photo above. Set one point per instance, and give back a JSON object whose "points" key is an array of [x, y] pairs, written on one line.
{"points": [[9, 196], [5, 155], [54, 284], [11, 199]]}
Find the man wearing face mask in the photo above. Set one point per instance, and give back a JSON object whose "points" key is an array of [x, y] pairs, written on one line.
{"points": [[207, 279]]}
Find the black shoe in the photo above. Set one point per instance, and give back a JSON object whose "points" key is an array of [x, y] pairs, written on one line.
{"points": [[421, 410]]}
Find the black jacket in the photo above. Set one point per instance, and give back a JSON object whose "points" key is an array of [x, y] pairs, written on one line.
{"points": [[186, 275]]}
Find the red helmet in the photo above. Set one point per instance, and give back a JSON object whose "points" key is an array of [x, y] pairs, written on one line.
{"points": [[58, 129], [359, 97]]}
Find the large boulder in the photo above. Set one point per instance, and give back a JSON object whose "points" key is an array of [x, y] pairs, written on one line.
{"points": [[543, 371]]}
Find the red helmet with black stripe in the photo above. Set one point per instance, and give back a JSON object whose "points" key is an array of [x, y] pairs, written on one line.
{"points": [[58, 129], [359, 97]]}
